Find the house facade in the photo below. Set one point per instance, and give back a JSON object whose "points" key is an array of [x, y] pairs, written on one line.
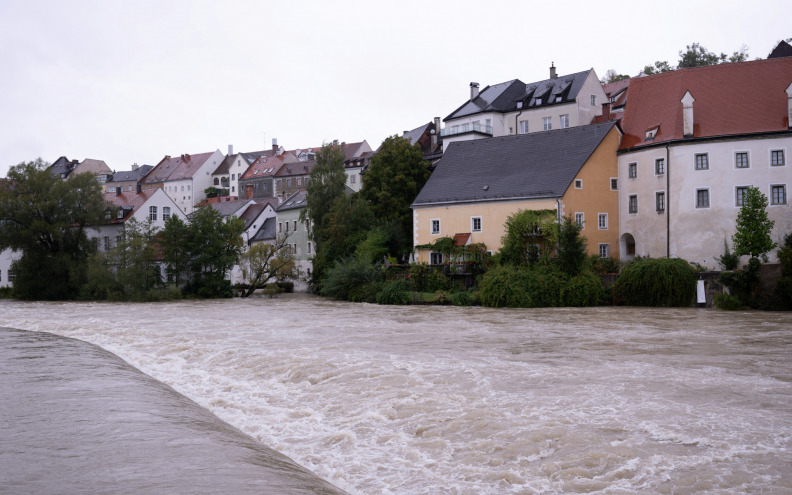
{"points": [[297, 232], [514, 107], [694, 141], [127, 180], [184, 178], [478, 184]]}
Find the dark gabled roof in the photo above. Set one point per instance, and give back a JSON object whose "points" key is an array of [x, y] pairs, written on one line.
{"points": [[130, 175], [504, 97], [266, 232], [523, 166], [62, 167], [783, 49], [228, 208], [296, 200], [252, 213]]}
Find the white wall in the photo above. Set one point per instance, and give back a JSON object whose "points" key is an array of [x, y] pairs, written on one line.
{"points": [[6, 258], [697, 234]]}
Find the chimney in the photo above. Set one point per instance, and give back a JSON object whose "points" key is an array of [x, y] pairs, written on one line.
{"points": [[275, 146], [606, 110], [789, 106], [553, 74], [230, 149], [474, 90], [118, 191], [134, 166], [687, 114], [435, 133]]}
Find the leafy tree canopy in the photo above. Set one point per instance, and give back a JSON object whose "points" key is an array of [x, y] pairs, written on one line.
{"points": [[753, 226], [530, 234], [327, 183], [45, 218], [612, 76], [264, 262]]}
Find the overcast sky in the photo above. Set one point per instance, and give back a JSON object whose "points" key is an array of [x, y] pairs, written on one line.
{"points": [[131, 81]]}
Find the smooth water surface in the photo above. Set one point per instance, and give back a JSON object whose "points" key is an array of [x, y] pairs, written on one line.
{"points": [[434, 400]]}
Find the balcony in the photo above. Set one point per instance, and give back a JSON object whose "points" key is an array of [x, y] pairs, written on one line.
{"points": [[465, 128]]}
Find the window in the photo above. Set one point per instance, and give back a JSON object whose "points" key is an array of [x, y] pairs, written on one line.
{"points": [[602, 221], [604, 250], [118, 240], [11, 275], [1, 275], [632, 170], [288, 182], [106, 243], [593, 100], [739, 195], [435, 258], [524, 127], [660, 166], [702, 161], [741, 159], [702, 198], [295, 225], [475, 224], [305, 182], [777, 158], [547, 123], [188, 187], [153, 213], [614, 184], [182, 188], [287, 226], [633, 204], [580, 220], [352, 178], [778, 194], [278, 183], [233, 176], [309, 247], [435, 226], [165, 213], [660, 201], [564, 121], [280, 227], [578, 184]]}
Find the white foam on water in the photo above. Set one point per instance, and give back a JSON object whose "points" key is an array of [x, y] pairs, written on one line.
{"points": [[471, 400]]}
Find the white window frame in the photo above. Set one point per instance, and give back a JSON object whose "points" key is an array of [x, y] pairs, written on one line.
{"points": [[747, 159], [580, 219], [563, 121], [662, 194], [786, 195], [433, 256], [630, 209], [783, 157], [432, 230], [473, 224], [632, 170], [737, 203], [166, 213], [705, 157], [547, 123], [524, 127], [602, 225], [696, 196], [593, 100], [659, 163], [604, 250], [614, 181], [578, 183], [153, 213]]}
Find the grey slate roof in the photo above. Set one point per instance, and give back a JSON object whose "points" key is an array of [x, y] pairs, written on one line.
{"points": [[504, 97], [266, 232], [228, 208], [130, 175], [296, 200], [523, 166]]}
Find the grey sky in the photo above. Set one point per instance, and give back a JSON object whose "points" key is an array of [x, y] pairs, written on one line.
{"points": [[131, 81]]}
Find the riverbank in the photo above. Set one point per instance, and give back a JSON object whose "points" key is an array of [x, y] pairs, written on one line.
{"points": [[78, 419]]}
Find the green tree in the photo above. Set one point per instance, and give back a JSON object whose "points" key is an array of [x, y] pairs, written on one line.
{"points": [[696, 55], [200, 254], [752, 237], [612, 76], [45, 218], [530, 235], [263, 263], [571, 247], [658, 68], [326, 187], [394, 178]]}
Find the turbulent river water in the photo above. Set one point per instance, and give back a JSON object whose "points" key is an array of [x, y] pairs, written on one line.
{"points": [[446, 400]]}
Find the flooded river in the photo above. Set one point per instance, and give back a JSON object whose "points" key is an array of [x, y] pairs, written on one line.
{"points": [[445, 400]]}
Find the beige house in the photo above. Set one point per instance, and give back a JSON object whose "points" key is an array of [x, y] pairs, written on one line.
{"points": [[478, 184]]}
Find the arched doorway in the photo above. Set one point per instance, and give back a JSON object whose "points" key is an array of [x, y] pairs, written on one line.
{"points": [[627, 247]]}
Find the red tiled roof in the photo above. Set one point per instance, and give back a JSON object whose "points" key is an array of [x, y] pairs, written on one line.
{"points": [[615, 88], [178, 167], [267, 166], [731, 99], [461, 239]]}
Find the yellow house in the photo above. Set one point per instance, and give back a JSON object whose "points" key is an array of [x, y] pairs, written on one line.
{"points": [[478, 184]]}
